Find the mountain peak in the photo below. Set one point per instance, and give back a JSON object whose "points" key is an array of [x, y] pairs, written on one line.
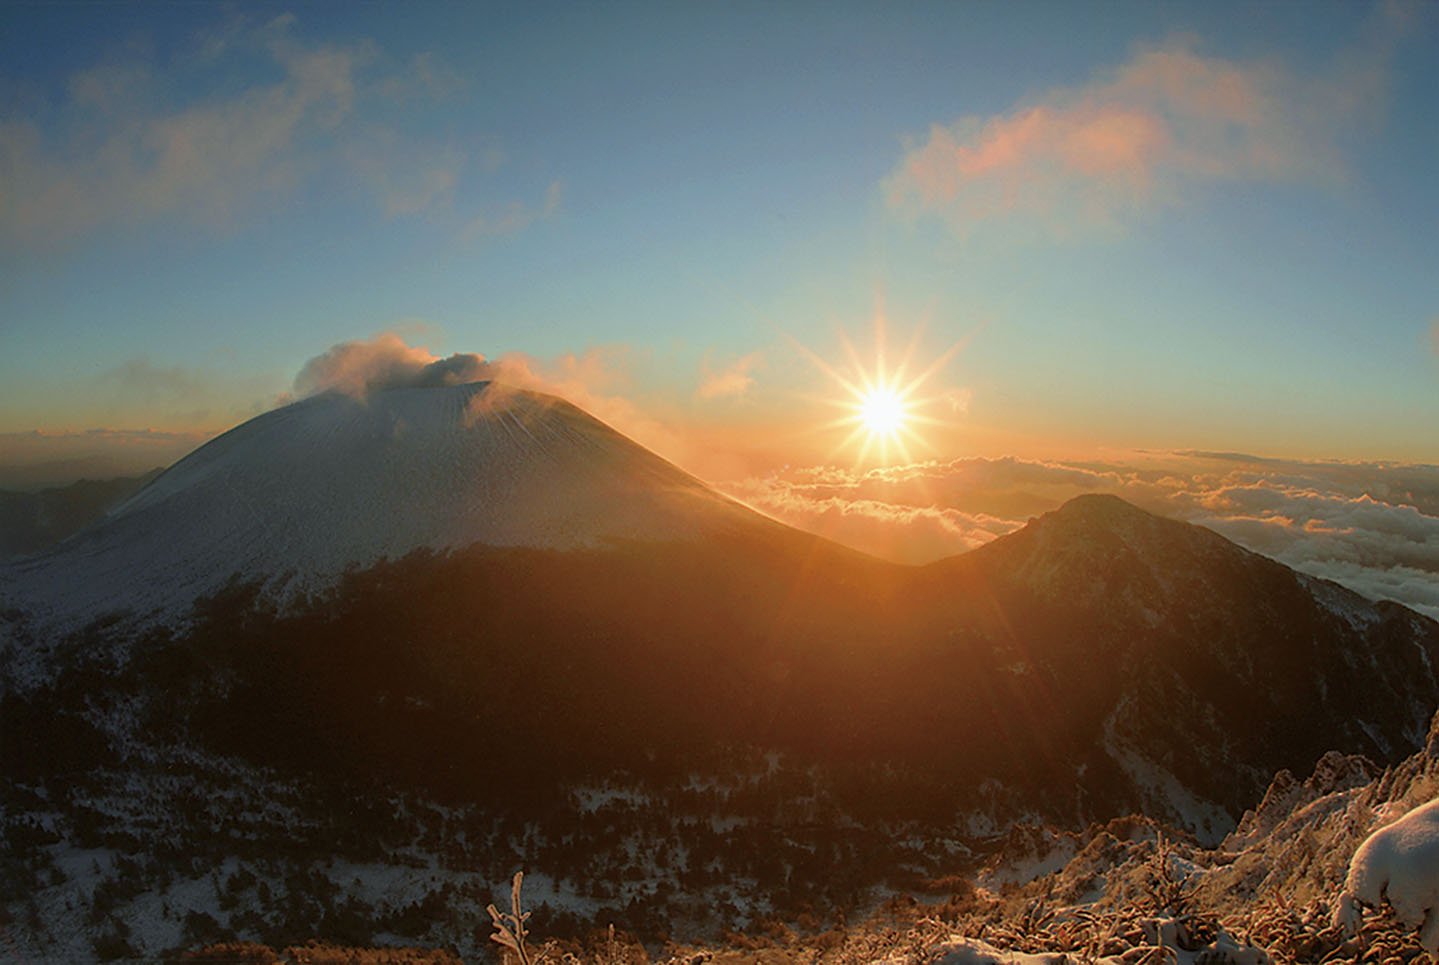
{"points": [[1102, 519], [1100, 508], [1097, 542]]}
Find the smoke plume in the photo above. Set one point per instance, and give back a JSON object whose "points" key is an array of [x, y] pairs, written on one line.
{"points": [[385, 362]]}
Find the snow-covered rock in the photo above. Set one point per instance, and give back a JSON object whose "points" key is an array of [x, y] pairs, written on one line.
{"points": [[1028, 852], [1334, 772], [973, 951], [1399, 864]]}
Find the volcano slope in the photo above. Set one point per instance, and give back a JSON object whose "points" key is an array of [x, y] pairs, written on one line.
{"points": [[294, 497], [424, 578]]}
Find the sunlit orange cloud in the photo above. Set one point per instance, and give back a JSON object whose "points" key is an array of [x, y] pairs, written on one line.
{"points": [[1140, 136], [729, 381]]}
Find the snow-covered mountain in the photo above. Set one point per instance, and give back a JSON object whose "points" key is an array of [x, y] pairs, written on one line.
{"points": [[295, 496]]}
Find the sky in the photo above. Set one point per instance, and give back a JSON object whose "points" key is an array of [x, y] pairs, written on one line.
{"points": [[1100, 231]]}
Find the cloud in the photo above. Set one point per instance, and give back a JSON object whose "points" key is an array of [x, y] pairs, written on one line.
{"points": [[385, 362], [730, 381], [1378, 548], [959, 400], [916, 513], [1139, 138], [141, 380], [406, 177], [906, 533], [130, 144], [130, 160], [597, 381], [429, 76]]}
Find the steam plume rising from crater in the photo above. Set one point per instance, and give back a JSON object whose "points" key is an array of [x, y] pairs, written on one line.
{"points": [[385, 362], [594, 380]]}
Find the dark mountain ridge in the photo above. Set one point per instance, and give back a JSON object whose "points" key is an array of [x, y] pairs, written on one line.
{"points": [[1181, 653], [995, 682]]}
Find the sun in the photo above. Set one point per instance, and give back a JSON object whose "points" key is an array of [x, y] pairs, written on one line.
{"points": [[882, 411], [882, 408]]}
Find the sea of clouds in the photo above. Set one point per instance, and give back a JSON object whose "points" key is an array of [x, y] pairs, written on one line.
{"points": [[1373, 527]]}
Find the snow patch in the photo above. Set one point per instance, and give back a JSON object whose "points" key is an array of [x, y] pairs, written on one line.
{"points": [[1209, 822], [1399, 864]]}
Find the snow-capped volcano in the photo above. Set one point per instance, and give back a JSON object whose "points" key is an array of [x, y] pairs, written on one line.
{"points": [[295, 496]]}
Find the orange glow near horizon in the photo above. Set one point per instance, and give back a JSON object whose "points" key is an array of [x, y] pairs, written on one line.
{"points": [[882, 408]]}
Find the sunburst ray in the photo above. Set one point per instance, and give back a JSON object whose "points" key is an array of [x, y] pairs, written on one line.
{"points": [[881, 408]]}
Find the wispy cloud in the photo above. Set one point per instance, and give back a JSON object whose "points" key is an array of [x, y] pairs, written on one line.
{"points": [[141, 391], [427, 76], [729, 381], [405, 177], [516, 215], [143, 380], [133, 143], [128, 158], [1140, 137]]}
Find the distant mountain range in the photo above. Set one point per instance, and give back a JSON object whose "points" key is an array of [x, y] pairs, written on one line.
{"points": [[33, 521], [386, 585]]}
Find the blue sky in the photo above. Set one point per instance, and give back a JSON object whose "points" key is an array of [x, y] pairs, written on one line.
{"points": [[1155, 225]]}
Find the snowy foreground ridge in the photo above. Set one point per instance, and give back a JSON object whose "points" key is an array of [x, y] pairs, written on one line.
{"points": [[1323, 871], [1126, 892], [296, 495]]}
